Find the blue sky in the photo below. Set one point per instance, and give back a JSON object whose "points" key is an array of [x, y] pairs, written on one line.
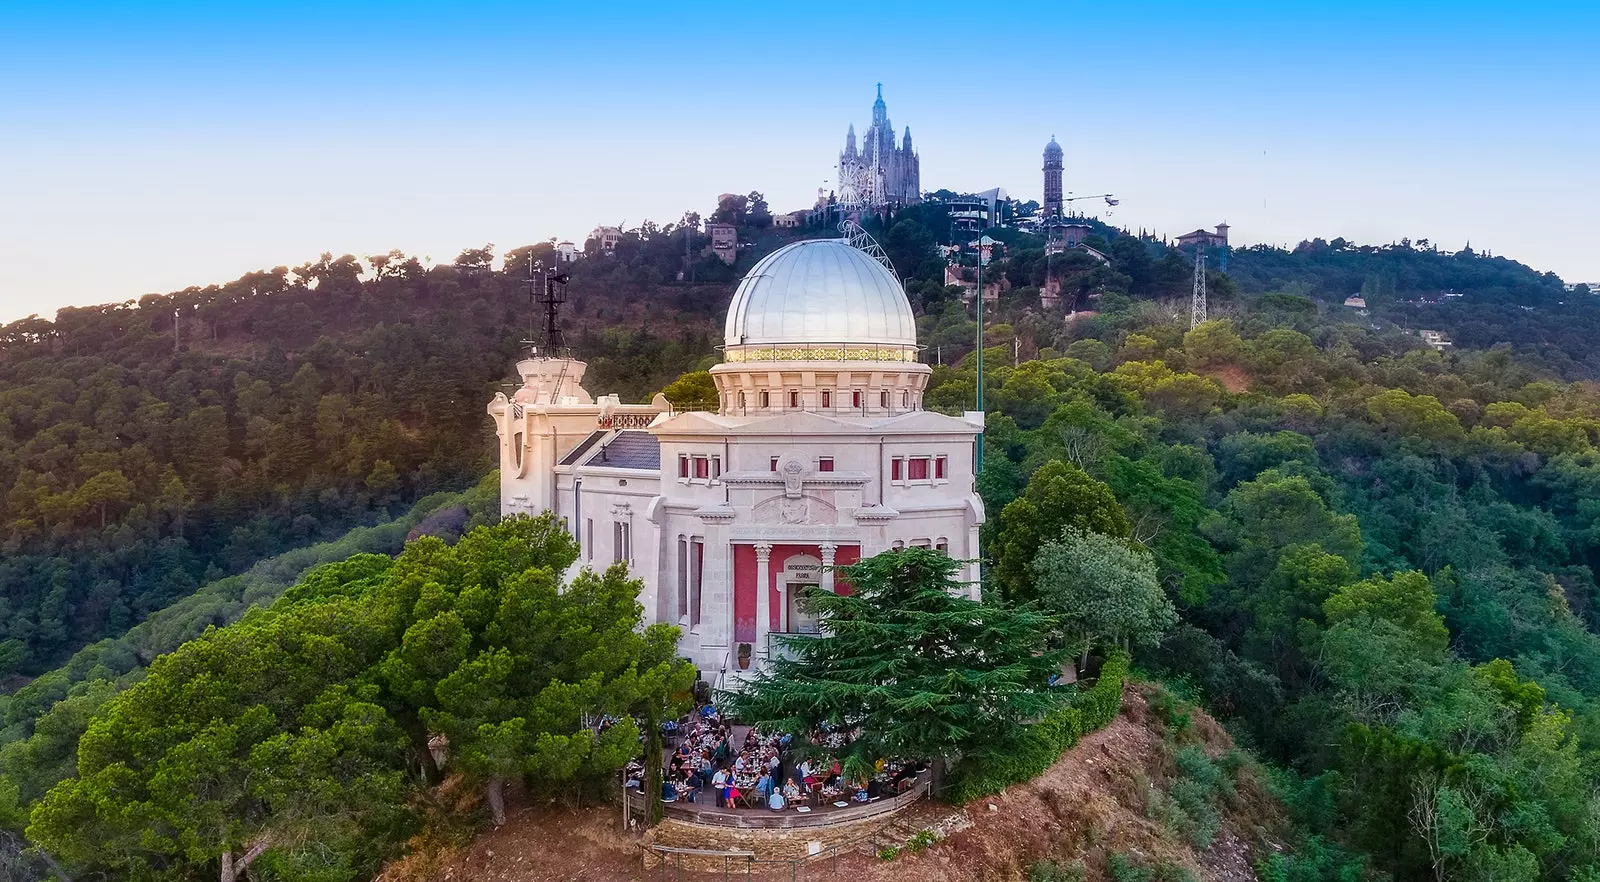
{"points": [[145, 148]]}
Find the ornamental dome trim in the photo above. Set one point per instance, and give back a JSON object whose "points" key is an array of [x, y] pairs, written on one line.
{"points": [[820, 300]]}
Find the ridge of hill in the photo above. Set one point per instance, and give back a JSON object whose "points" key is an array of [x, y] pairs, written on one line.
{"points": [[1115, 800]]}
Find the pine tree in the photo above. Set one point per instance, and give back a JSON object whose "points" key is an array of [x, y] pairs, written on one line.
{"points": [[907, 661]]}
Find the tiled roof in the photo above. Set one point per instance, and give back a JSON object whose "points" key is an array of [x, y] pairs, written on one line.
{"points": [[630, 450], [582, 448]]}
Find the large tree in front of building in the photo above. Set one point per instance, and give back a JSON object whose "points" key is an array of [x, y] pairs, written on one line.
{"points": [[909, 662]]}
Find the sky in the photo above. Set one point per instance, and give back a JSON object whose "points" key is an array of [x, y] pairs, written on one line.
{"points": [[146, 148]]}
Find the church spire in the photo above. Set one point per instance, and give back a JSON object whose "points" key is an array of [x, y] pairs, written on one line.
{"points": [[880, 111], [850, 141], [906, 144]]}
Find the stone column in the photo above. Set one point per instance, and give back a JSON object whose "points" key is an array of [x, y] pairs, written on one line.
{"points": [[763, 595], [828, 549]]}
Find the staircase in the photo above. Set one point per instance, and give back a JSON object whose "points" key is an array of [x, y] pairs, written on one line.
{"points": [[894, 834]]}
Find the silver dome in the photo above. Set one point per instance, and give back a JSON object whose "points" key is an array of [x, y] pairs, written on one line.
{"points": [[819, 292]]}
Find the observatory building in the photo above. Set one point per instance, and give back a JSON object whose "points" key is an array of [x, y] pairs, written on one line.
{"points": [[818, 453]]}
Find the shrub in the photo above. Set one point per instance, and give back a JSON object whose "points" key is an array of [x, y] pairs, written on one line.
{"points": [[1203, 821], [1122, 868], [1032, 749], [1125, 868], [1057, 871]]}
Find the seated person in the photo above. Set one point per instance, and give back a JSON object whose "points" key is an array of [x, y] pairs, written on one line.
{"points": [[669, 793], [765, 786], [791, 791], [776, 802], [694, 783]]}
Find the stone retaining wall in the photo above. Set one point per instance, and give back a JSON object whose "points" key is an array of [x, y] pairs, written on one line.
{"points": [[766, 844]]}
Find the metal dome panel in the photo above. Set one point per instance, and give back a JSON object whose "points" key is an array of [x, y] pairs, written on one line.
{"points": [[822, 291]]}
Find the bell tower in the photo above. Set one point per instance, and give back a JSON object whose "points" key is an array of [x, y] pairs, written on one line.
{"points": [[1052, 179]]}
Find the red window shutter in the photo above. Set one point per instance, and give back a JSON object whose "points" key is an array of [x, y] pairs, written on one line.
{"points": [[825, 464], [938, 468], [894, 469], [683, 465], [919, 468]]}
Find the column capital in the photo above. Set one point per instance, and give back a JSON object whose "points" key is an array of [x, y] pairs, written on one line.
{"points": [[828, 550], [763, 550]]}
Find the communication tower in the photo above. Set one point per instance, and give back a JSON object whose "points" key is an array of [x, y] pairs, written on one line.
{"points": [[1197, 303]]}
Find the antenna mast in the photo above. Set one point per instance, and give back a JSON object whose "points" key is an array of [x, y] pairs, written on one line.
{"points": [[543, 291], [1197, 304]]}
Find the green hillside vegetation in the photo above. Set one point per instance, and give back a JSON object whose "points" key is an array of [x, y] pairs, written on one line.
{"points": [[40, 724], [295, 743], [152, 446], [1380, 559]]}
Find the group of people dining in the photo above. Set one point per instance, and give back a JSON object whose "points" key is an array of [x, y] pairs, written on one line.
{"points": [[761, 771]]}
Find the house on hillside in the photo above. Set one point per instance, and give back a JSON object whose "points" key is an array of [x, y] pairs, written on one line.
{"points": [[724, 242], [1204, 239], [1436, 339], [607, 237]]}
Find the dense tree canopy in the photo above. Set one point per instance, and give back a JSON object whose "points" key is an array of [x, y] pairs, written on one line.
{"points": [[907, 662], [297, 736]]}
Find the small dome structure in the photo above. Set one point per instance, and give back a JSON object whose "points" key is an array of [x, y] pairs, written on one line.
{"points": [[1052, 150], [822, 299]]}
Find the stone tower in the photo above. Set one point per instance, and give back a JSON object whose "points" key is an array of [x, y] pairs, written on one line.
{"points": [[1052, 179]]}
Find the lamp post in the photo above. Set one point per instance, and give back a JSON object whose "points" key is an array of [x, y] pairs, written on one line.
{"points": [[977, 466]]}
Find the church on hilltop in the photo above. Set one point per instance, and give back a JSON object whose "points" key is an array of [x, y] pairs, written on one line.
{"points": [[819, 454], [879, 175]]}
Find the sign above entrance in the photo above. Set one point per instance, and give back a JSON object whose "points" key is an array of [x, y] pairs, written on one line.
{"points": [[802, 570]]}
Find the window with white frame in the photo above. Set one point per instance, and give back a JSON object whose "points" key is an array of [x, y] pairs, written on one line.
{"points": [[942, 545], [683, 465], [940, 466], [702, 468], [827, 398], [824, 463], [917, 468]]}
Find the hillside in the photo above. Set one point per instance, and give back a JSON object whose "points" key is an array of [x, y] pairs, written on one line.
{"points": [[150, 446], [1382, 557], [1109, 800]]}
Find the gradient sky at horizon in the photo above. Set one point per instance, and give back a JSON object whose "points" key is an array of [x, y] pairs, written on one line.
{"points": [[148, 148]]}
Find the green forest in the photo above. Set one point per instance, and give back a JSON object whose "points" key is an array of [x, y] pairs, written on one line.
{"points": [[1380, 559]]}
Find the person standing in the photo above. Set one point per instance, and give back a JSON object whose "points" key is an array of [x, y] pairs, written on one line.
{"points": [[719, 781]]}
